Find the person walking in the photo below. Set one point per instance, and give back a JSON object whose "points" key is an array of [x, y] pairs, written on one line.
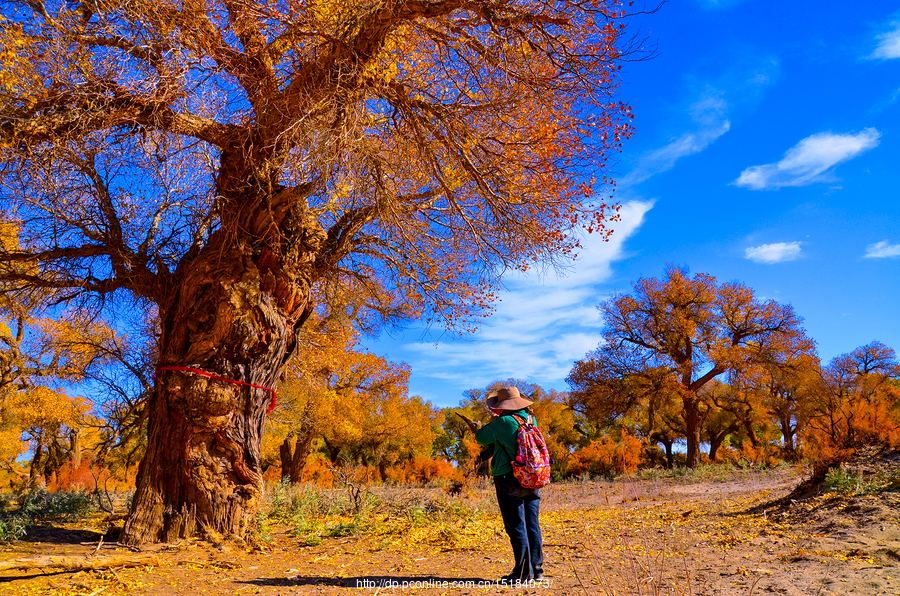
{"points": [[519, 506]]}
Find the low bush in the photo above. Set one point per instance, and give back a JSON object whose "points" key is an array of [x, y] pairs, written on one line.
{"points": [[13, 527], [850, 483], [311, 513], [40, 505]]}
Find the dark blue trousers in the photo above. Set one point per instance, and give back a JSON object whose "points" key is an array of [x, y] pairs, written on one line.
{"points": [[520, 508]]}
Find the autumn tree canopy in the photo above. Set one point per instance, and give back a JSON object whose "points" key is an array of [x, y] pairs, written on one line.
{"points": [[216, 162], [855, 401], [672, 337]]}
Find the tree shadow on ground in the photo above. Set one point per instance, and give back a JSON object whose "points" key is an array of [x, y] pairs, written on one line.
{"points": [[372, 581], [56, 535]]}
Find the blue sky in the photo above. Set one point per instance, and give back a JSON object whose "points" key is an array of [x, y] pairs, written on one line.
{"points": [[766, 151]]}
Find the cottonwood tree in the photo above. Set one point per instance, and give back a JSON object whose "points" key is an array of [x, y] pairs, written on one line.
{"points": [[683, 332], [323, 344], [39, 354], [215, 161], [369, 416], [354, 402], [614, 384], [785, 387], [854, 402]]}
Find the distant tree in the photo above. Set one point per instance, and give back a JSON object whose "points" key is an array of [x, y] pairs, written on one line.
{"points": [[352, 402], [38, 355], [216, 162], [784, 387], [685, 332], [855, 402], [611, 385], [369, 416], [324, 344]]}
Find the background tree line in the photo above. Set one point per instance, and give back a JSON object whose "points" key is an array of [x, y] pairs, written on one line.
{"points": [[688, 371]]}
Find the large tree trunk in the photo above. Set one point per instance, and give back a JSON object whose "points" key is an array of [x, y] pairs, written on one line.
{"points": [[234, 316]]}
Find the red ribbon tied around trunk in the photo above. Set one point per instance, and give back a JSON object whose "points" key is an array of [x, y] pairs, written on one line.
{"points": [[218, 378]]}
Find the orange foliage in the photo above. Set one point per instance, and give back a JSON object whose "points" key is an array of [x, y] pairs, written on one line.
{"points": [[856, 402], [411, 152], [318, 471], [422, 469], [608, 456], [85, 476]]}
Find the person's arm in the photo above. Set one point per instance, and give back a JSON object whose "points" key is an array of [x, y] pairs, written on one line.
{"points": [[486, 435]]}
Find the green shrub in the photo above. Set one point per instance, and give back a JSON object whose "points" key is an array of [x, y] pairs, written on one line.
{"points": [[850, 483], [39, 504], [13, 527]]}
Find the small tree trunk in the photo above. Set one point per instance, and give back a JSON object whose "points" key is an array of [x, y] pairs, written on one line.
{"points": [[75, 447], [751, 433], [787, 433], [714, 444], [333, 452], [667, 442], [285, 452], [692, 428], [36, 466], [293, 459]]}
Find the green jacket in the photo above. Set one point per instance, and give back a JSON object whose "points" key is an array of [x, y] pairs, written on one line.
{"points": [[502, 432]]}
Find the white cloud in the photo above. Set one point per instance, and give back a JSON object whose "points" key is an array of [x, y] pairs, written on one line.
{"points": [[888, 46], [882, 249], [710, 113], [542, 323], [809, 160], [773, 253]]}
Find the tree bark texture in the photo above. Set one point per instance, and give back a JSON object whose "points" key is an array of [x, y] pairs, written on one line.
{"points": [[234, 315], [293, 457]]}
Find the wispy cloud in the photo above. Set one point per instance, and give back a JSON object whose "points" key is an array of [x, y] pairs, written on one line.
{"points": [[777, 252], [541, 325], [710, 114], [719, 3], [888, 45], [881, 250], [809, 161]]}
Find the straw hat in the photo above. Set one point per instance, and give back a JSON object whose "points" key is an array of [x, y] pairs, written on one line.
{"points": [[507, 398]]}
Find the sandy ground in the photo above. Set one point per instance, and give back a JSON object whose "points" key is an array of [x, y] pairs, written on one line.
{"points": [[667, 536]]}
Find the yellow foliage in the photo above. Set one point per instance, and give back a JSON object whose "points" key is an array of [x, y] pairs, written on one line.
{"points": [[45, 407]]}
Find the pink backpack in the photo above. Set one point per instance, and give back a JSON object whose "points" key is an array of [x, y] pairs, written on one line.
{"points": [[532, 464]]}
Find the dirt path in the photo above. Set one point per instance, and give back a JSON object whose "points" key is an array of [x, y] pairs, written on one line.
{"points": [[627, 537]]}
